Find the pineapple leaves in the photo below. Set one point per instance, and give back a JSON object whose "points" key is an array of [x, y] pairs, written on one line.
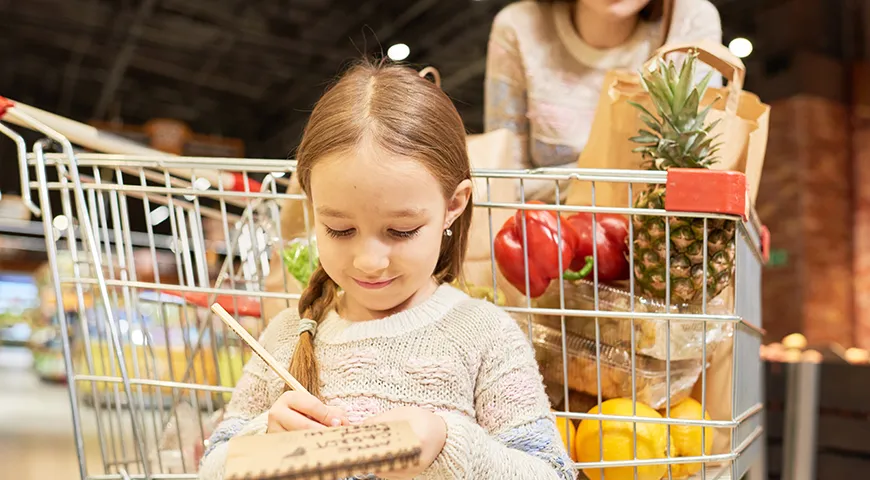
{"points": [[678, 136], [652, 123], [641, 108], [687, 73], [690, 108], [702, 86], [645, 137], [660, 92]]}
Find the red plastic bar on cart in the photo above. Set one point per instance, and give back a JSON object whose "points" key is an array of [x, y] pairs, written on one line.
{"points": [[241, 305], [239, 183], [5, 104], [706, 191]]}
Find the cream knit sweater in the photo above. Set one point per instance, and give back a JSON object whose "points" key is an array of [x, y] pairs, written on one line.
{"points": [[543, 81], [462, 358]]}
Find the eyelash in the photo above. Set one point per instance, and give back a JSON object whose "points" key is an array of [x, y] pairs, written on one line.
{"points": [[407, 234], [338, 233], [396, 233]]}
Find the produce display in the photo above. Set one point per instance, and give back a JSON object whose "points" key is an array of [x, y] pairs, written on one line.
{"points": [[650, 378], [793, 348], [158, 363], [158, 344], [687, 337], [678, 137]]}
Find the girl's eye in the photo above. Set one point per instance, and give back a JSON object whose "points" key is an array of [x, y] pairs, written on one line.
{"points": [[405, 233], [338, 233]]}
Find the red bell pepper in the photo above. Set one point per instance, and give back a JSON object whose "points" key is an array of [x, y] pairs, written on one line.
{"points": [[544, 246], [611, 233]]}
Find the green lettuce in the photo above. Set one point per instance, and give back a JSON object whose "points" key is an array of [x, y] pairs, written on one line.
{"points": [[300, 259]]}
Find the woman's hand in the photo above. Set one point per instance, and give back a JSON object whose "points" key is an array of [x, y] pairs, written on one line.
{"points": [[429, 428], [300, 410]]}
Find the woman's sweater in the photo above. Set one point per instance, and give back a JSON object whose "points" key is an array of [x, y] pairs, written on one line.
{"points": [[464, 359], [543, 81]]}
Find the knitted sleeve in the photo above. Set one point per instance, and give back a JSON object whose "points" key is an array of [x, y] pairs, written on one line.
{"points": [[505, 100], [248, 410], [514, 435]]}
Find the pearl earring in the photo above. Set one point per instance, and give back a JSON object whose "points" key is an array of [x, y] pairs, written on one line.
{"points": [[448, 232]]}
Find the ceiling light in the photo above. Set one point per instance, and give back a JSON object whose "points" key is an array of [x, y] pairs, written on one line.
{"points": [[740, 47], [398, 52]]}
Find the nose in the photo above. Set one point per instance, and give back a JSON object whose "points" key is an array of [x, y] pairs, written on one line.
{"points": [[371, 257]]}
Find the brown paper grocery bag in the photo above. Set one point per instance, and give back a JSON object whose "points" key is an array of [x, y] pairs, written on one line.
{"points": [[489, 151], [297, 216], [719, 391], [743, 125]]}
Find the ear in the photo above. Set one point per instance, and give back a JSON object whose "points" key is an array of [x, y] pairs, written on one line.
{"points": [[458, 202]]}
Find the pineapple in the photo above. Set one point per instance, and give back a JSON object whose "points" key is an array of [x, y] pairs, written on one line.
{"points": [[678, 136]]}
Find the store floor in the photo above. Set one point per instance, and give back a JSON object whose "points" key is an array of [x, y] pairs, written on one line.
{"points": [[36, 430]]}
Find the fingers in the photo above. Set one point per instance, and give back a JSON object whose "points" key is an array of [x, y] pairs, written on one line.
{"points": [[314, 409], [283, 419], [300, 410]]}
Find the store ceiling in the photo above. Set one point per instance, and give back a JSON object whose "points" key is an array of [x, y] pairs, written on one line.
{"points": [[241, 68], [235, 67]]}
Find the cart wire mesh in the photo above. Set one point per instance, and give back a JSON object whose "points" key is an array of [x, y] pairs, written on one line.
{"points": [[147, 243]]}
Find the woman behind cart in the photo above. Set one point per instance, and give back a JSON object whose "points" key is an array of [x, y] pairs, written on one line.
{"points": [[547, 60]]}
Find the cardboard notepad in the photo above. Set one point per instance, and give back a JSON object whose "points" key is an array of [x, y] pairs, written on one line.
{"points": [[323, 454]]}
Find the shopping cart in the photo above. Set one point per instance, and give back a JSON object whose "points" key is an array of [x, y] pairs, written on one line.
{"points": [[150, 368]]}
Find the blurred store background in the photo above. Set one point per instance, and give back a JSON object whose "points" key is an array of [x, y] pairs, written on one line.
{"points": [[233, 78]]}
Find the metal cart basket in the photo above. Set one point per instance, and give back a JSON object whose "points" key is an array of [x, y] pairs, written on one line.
{"points": [[155, 239]]}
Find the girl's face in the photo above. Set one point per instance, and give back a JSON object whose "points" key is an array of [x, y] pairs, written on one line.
{"points": [[380, 221], [618, 9]]}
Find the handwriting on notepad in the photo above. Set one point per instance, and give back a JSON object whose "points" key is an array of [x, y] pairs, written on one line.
{"points": [[360, 448], [296, 453], [358, 438]]}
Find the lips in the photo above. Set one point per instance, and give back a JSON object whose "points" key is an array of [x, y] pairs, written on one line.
{"points": [[374, 285]]}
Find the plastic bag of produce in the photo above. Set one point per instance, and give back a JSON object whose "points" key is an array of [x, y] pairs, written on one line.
{"points": [[615, 375], [687, 337]]}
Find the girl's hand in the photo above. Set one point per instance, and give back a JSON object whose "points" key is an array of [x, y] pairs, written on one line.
{"points": [[299, 411], [430, 429]]}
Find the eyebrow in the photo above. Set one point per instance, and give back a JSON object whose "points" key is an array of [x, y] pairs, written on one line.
{"points": [[403, 213]]}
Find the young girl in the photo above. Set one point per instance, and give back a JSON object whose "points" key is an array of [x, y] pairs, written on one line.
{"points": [[380, 335]]}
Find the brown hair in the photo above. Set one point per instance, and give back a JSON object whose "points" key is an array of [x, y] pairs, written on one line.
{"points": [[396, 109], [652, 12]]}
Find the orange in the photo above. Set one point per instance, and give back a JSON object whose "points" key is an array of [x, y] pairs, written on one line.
{"points": [[686, 440], [618, 442], [565, 426]]}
